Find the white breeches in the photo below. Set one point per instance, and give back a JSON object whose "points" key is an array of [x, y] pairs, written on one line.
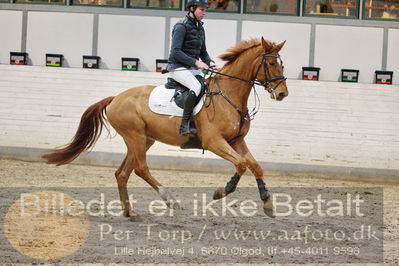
{"points": [[187, 78]]}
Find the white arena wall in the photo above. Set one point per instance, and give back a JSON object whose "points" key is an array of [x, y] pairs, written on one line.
{"points": [[47, 33], [295, 52], [393, 51], [10, 33], [353, 48], [340, 44], [321, 126], [141, 37]]}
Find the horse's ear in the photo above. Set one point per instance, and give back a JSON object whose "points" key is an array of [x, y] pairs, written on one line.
{"points": [[266, 45], [278, 47]]}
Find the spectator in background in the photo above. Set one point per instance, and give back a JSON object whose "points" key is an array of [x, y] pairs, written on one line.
{"points": [[273, 7], [390, 9], [155, 3], [323, 6], [257, 5], [222, 4], [228, 5], [387, 9]]}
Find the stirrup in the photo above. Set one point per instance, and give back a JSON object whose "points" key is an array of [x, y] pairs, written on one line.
{"points": [[187, 130], [190, 132]]}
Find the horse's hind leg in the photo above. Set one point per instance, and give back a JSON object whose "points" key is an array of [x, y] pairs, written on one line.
{"points": [[140, 145], [122, 176]]}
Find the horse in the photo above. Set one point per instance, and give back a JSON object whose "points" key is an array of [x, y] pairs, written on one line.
{"points": [[221, 124]]}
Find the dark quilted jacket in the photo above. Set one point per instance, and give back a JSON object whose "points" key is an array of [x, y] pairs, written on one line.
{"points": [[188, 44]]}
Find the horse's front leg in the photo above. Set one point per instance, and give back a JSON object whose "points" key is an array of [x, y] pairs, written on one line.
{"points": [[241, 147], [223, 149], [229, 188]]}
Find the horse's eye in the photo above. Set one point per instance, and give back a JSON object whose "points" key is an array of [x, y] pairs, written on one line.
{"points": [[272, 63]]}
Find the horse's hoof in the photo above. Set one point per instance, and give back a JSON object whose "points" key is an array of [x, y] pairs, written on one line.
{"points": [[269, 212], [219, 193], [268, 207], [134, 217], [172, 204], [169, 200]]}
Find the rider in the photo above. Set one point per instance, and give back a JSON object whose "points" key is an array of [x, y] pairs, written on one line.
{"points": [[188, 46]]}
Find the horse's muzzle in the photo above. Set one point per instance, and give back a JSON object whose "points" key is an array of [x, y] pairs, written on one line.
{"points": [[281, 96]]}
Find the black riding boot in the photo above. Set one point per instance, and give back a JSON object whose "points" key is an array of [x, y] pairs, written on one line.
{"points": [[189, 105]]}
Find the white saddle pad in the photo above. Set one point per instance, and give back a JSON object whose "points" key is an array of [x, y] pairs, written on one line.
{"points": [[160, 102]]}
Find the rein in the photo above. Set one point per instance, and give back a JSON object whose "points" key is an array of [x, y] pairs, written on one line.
{"points": [[265, 84]]}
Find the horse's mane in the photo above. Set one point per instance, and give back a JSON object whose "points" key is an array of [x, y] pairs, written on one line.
{"points": [[233, 53]]}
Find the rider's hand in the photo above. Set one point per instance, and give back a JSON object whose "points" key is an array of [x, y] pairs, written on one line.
{"points": [[201, 65], [213, 65]]}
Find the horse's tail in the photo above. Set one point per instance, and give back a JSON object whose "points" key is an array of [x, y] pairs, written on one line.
{"points": [[89, 130]]}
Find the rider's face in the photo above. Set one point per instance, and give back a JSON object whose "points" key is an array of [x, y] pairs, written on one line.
{"points": [[200, 12]]}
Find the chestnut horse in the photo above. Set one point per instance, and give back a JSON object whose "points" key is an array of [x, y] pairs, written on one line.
{"points": [[221, 125]]}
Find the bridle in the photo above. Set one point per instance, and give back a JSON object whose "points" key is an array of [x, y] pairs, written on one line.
{"points": [[266, 84]]}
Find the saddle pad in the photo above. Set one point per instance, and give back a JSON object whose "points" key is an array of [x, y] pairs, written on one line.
{"points": [[160, 102]]}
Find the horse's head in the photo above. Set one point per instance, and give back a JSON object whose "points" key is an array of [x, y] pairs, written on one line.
{"points": [[269, 72]]}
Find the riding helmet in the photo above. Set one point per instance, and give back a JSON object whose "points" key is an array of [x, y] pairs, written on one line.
{"points": [[197, 3]]}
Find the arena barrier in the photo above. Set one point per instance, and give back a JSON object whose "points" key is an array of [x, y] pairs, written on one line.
{"points": [[328, 127]]}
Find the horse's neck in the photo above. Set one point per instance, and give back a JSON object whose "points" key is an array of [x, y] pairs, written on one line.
{"points": [[238, 91]]}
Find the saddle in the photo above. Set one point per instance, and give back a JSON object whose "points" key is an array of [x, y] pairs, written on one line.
{"points": [[182, 91]]}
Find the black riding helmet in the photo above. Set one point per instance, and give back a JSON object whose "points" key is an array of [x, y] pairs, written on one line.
{"points": [[195, 4]]}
